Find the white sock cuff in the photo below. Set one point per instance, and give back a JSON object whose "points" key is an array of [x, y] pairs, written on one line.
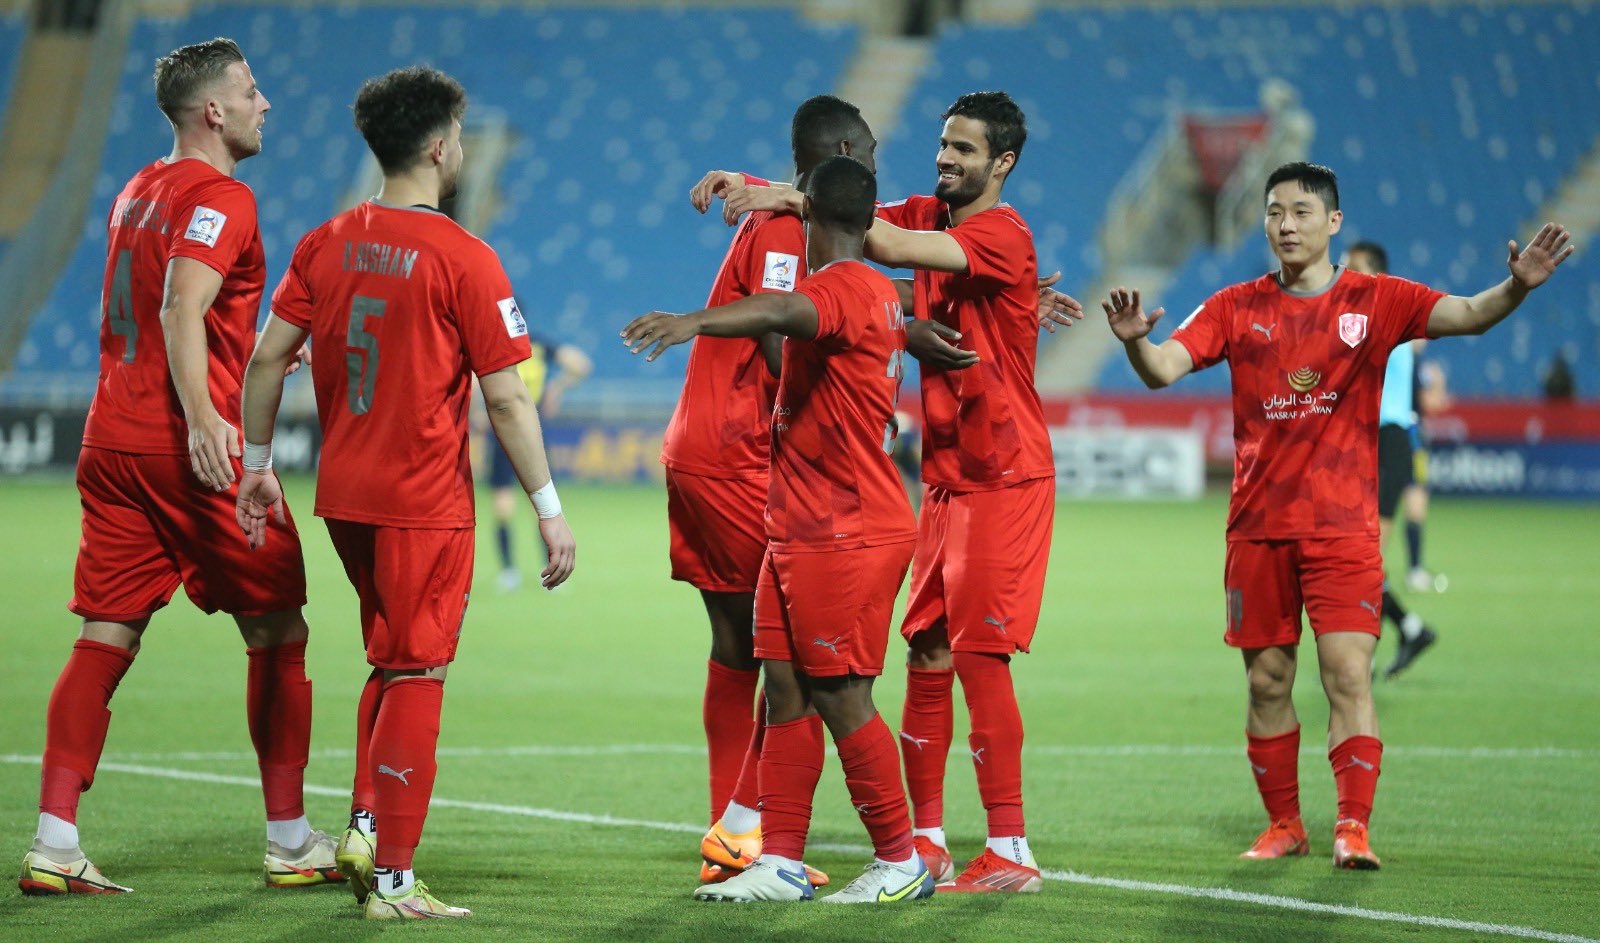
{"points": [[56, 832]]}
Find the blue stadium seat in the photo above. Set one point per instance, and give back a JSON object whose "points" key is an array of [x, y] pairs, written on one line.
{"points": [[614, 117]]}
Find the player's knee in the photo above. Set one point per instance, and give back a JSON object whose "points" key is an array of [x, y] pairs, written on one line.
{"points": [[273, 628], [1349, 679], [1271, 684], [929, 650]]}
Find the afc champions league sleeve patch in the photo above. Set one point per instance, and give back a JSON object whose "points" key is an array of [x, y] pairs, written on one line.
{"points": [[205, 226], [512, 316], [780, 271]]}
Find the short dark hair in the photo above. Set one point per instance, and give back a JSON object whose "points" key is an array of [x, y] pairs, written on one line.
{"points": [[1313, 178], [1004, 125], [1380, 258], [843, 194], [184, 72], [398, 112], [820, 123]]}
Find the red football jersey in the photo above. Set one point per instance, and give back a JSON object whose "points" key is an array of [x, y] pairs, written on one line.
{"points": [[183, 209], [720, 426], [403, 306], [983, 426], [833, 484], [1307, 377]]}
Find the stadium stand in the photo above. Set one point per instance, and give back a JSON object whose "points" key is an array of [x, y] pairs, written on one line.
{"points": [[1457, 124], [13, 32], [615, 117]]}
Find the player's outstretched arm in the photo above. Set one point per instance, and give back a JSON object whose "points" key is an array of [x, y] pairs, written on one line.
{"points": [[1530, 267], [1157, 366], [190, 289], [740, 200], [788, 313], [888, 244], [516, 425], [278, 347]]}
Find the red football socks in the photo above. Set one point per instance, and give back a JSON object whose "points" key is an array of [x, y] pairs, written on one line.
{"points": [[402, 753], [996, 738], [278, 701], [728, 718], [1356, 762], [363, 797], [872, 774], [1276, 762], [791, 765], [925, 731], [76, 723], [747, 791]]}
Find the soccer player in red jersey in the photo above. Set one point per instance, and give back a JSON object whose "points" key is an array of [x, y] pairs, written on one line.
{"points": [[1307, 346], [840, 534], [984, 533], [183, 281], [407, 306], [717, 452]]}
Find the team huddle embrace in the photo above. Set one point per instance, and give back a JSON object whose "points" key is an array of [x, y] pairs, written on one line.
{"points": [[786, 508]]}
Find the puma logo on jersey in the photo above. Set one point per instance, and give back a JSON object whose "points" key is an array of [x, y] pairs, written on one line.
{"points": [[832, 646], [400, 775], [1265, 330], [920, 742]]}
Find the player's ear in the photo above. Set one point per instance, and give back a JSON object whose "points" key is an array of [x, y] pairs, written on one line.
{"points": [[844, 147], [805, 208], [436, 148], [1004, 163], [1335, 220]]}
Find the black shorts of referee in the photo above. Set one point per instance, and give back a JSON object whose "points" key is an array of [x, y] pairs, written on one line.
{"points": [[1396, 467]]}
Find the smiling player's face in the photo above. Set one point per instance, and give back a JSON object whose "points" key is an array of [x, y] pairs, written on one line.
{"points": [[1298, 224], [964, 164]]}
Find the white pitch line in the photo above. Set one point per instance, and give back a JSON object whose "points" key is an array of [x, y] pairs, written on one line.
{"points": [[1101, 751], [1069, 877]]}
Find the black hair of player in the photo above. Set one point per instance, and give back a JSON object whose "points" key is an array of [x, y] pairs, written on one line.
{"points": [[1313, 178], [399, 112], [843, 194], [820, 124], [1373, 251], [1004, 125], [184, 72]]}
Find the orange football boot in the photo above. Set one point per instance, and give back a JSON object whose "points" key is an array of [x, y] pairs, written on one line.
{"points": [[725, 854], [991, 874], [937, 859], [1350, 849], [1284, 838]]}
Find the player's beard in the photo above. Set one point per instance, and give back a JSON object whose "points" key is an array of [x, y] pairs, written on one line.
{"points": [[242, 144], [965, 189], [448, 182]]}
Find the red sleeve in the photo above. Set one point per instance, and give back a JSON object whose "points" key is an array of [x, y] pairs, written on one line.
{"points": [[216, 227], [751, 180], [1403, 308], [494, 334], [291, 300], [998, 247], [898, 213], [1204, 334], [833, 293], [775, 257]]}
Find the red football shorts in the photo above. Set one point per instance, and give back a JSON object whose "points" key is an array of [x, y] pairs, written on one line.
{"points": [[149, 524], [980, 565], [1337, 580], [413, 585], [718, 531], [829, 612]]}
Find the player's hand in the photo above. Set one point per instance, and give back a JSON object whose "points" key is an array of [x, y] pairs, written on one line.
{"points": [[660, 329], [1055, 307], [933, 343], [713, 185], [561, 548], [743, 199], [260, 496], [301, 356], [213, 444], [1126, 315], [1534, 265]]}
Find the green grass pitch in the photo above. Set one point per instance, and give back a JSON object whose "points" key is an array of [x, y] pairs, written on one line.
{"points": [[1135, 772]]}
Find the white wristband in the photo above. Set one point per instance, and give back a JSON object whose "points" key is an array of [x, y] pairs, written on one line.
{"points": [[257, 458], [545, 501]]}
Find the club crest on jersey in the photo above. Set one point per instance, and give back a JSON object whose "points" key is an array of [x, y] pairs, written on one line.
{"points": [[1352, 328], [206, 225], [780, 271], [512, 315]]}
